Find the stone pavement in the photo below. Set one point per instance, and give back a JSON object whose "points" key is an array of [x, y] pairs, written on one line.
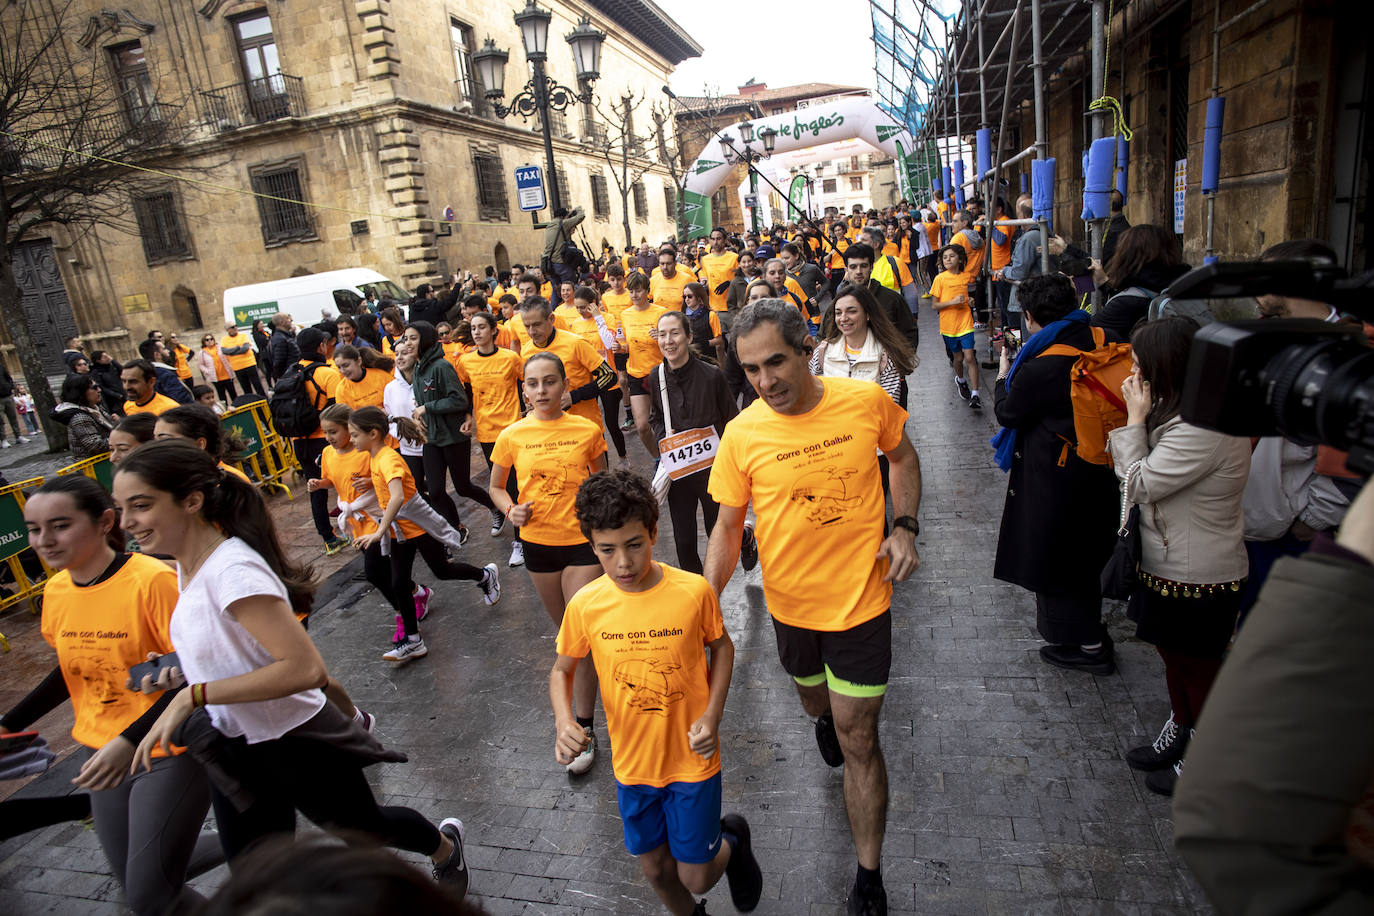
{"points": [[1009, 792]]}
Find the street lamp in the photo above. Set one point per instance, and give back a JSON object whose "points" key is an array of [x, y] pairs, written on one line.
{"points": [[750, 157], [541, 93]]}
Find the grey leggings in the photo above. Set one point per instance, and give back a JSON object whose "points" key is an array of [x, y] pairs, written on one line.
{"points": [[148, 826]]}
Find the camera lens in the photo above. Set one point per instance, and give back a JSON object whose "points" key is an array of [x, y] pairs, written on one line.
{"points": [[1323, 393]]}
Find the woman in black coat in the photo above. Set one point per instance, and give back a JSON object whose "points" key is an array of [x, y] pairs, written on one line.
{"points": [[1147, 259], [1061, 513]]}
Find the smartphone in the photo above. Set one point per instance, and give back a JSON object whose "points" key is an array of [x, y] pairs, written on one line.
{"points": [[11, 744], [153, 667], [1084, 284]]}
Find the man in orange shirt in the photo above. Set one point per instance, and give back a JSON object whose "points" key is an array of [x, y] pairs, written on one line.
{"points": [[805, 455], [140, 384], [716, 270], [665, 285], [968, 238]]}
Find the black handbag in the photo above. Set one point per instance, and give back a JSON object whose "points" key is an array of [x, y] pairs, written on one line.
{"points": [[1121, 575]]}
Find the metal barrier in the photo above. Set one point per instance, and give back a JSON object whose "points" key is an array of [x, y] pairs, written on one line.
{"points": [[97, 468], [14, 540], [265, 457]]}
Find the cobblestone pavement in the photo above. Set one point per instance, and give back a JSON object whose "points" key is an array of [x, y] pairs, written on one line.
{"points": [[1009, 792]]}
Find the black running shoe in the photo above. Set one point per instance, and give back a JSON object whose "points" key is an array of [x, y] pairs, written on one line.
{"points": [[742, 871], [975, 402], [871, 901], [454, 871], [963, 388], [748, 549], [828, 741]]}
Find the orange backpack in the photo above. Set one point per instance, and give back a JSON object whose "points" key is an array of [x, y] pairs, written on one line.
{"points": [[1095, 391]]}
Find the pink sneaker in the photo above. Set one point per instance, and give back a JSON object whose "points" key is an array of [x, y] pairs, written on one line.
{"points": [[422, 602], [400, 633]]}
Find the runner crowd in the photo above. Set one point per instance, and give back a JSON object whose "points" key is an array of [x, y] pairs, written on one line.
{"points": [[766, 377]]}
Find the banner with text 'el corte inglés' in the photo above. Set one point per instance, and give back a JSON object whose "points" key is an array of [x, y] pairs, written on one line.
{"points": [[823, 123]]}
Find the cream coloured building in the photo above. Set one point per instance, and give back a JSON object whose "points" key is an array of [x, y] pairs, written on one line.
{"points": [[371, 113]]}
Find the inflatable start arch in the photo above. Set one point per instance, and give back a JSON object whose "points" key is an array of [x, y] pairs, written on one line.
{"points": [[841, 119]]}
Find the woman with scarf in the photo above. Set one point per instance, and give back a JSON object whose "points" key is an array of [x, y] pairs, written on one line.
{"points": [[1061, 513]]}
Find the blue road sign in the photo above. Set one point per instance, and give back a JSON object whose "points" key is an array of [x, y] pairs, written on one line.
{"points": [[529, 188]]}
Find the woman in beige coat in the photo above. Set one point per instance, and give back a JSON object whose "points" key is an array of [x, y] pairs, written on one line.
{"points": [[1188, 482]]}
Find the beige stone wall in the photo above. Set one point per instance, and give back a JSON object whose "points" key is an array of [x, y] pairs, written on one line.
{"points": [[381, 134]]}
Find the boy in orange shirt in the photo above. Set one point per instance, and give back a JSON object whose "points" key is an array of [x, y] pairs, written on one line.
{"points": [[645, 625]]}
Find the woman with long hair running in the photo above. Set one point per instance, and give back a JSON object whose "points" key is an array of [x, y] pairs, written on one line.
{"points": [[551, 452], [597, 327], [442, 408], [369, 428], [105, 611], [254, 674], [492, 376]]}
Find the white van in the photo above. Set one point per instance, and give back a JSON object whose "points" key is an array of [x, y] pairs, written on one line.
{"points": [[306, 298]]}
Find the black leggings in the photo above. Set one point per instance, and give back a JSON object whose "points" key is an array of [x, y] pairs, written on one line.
{"points": [[225, 391], [511, 488], [456, 460], [308, 452], [683, 498], [610, 409], [391, 575], [323, 783], [417, 470]]}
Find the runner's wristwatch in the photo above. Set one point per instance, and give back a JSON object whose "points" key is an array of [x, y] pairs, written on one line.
{"points": [[909, 523]]}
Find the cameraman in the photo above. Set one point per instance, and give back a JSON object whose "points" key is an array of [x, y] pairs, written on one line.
{"points": [[1272, 811], [1295, 491]]}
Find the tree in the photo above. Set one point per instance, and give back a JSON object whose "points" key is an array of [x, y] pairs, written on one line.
{"points": [[625, 151], [69, 141], [706, 109]]}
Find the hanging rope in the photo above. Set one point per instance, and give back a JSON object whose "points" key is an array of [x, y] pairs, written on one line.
{"points": [[1106, 101]]}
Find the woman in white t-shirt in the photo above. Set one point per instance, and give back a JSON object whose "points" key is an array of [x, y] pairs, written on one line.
{"points": [[255, 713]]}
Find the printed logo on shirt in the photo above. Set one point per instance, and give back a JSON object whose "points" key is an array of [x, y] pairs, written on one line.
{"points": [[650, 685], [825, 496]]}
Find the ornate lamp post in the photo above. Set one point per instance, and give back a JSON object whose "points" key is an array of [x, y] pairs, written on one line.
{"points": [[750, 157], [541, 93]]}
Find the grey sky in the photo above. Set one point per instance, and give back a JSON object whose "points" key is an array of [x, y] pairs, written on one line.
{"points": [[803, 41]]}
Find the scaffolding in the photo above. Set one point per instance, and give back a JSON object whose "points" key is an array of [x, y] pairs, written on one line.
{"points": [[951, 69]]}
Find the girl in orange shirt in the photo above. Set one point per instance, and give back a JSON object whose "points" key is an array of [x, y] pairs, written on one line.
{"points": [[364, 375], [551, 452], [105, 611], [394, 486]]}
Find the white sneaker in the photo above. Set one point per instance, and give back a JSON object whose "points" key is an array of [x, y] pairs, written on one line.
{"points": [[583, 761], [490, 584], [23, 440], [5, 444], [406, 649], [517, 555]]}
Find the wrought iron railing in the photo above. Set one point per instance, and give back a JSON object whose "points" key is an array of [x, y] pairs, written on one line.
{"points": [[258, 101]]}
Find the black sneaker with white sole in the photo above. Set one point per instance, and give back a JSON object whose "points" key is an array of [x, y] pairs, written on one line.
{"points": [[964, 390], [742, 870], [454, 871], [498, 521], [1166, 750], [975, 402]]}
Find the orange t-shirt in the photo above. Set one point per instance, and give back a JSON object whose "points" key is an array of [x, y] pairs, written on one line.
{"points": [[386, 466], [650, 656], [957, 320], [1001, 251], [324, 385], [580, 361], [568, 313], [932, 230], [975, 255], [667, 293], [640, 330], [837, 253], [716, 269], [366, 392], [495, 380], [235, 471], [340, 468], [100, 632], [157, 405], [237, 361], [892, 248], [550, 459], [818, 496], [615, 303]]}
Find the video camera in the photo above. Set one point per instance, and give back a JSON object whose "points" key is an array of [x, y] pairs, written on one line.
{"points": [[1309, 381]]}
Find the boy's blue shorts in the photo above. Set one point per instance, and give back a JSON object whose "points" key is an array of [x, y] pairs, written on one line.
{"points": [[954, 344], [685, 815]]}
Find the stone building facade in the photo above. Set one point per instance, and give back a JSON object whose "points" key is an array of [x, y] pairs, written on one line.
{"points": [[370, 112]]}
